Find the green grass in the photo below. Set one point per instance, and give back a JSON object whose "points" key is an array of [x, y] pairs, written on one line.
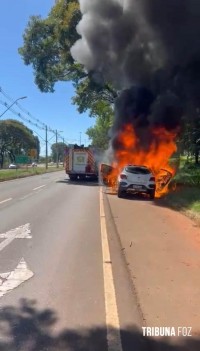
{"points": [[8, 174], [185, 199], [188, 174]]}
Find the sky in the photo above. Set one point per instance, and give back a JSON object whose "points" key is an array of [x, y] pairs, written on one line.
{"points": [[17, 80]]}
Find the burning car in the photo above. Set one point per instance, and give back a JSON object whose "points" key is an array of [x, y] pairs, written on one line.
{"points": [[136, 179]]}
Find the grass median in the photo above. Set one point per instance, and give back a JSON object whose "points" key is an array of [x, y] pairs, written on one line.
{"points": [[9, 174]]}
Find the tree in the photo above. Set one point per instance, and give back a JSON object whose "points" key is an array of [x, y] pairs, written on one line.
{"points": [[190, 137], [58, 152], [37, 147], [47, 44], [15, 139], [99, 134]]}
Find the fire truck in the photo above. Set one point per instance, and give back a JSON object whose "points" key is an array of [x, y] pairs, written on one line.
{"points": [[80, 163]]}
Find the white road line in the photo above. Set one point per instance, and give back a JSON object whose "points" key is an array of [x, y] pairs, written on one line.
{"points": [[112, 319], [39, 187], [23, 231], [6, 200], [12, 280]]}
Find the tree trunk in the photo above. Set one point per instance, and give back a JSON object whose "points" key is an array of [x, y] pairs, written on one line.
{"points": [[1, 160], [197, 157]]}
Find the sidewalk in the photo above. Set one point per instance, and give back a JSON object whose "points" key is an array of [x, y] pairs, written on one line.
{"points": [[162, 250]]}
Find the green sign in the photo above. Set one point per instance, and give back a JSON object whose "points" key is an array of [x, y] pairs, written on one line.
{"points": [[21, 159]]}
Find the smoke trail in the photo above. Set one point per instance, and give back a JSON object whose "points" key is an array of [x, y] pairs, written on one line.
{"points": [[149, 48]]}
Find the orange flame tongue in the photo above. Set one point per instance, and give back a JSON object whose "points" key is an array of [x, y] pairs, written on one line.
{"points": [[156, 156]]}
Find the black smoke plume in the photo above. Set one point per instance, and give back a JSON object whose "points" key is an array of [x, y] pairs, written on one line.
{"points": [[150, 51]]}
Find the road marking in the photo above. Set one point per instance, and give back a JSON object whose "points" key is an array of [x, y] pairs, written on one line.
{"points": [[39, 187], [112, 318], [11, 280], [22, 232], [26, 196], [6, 200]]}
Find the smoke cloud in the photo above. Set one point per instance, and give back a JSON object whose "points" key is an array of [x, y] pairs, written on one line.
{"points": [[150, 51]]}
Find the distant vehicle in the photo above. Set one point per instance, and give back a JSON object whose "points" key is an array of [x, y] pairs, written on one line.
{"points": [[12, 166], [136, 179], [80, 163], [34, 164]]}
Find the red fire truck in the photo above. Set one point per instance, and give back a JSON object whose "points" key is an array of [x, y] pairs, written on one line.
{"points": [[80, 163]]}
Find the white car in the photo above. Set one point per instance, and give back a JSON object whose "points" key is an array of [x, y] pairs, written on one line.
{"points": [[136, 179], [12, 166]]}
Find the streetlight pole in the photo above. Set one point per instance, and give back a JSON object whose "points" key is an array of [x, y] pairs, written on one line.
{"points": [[46, 144], [57, 151], [21, 98], [57, 165]]}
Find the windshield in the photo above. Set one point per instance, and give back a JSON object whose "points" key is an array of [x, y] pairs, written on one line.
{"points": [[137, 170]]}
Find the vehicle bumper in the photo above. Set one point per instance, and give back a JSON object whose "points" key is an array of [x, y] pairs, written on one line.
{"points": [[137, 187]]}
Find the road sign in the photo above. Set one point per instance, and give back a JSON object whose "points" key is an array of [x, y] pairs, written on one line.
{"points": [[21, 159], [32, 153]]}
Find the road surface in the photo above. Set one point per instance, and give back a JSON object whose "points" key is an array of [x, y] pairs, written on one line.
{"points": [[162, 252], [56, 280], [64, 283]]}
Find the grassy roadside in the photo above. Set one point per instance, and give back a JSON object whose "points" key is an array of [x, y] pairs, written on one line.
{"points": [[9, 174], [186, 197]]}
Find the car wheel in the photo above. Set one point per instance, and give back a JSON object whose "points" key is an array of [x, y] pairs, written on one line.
{"points": [[73, 178], [82, 177], [121, 193], [152, 194]]}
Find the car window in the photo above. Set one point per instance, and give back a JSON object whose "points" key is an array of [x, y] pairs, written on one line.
{"points": [[137, 170]]}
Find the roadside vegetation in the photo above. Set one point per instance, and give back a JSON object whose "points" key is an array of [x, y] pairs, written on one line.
{"points": [[16, 139], [9, 174], [186, 196]]}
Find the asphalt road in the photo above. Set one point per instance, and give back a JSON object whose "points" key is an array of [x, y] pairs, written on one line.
{"points": [[84, 271], [162, 251], [61, 287]]}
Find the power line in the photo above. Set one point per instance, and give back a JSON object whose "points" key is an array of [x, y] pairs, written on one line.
{"points": [[22, 108], [39, 124], [31, 120]]}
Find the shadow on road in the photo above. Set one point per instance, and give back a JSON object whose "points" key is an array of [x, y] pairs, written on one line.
{"points": [[26, 328], [79, 182]]}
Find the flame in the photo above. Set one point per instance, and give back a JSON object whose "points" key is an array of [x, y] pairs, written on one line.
{"points": [[156, 157]]}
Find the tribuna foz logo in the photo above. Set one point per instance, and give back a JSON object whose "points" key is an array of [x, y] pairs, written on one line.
{"points": [[167, 331]]}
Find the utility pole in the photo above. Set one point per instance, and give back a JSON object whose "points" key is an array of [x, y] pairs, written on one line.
{"points": [[57, 163], [46, 142], [80, 138]]}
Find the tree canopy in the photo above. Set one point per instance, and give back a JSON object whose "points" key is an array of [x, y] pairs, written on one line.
{"points": [[57, 150], [15, 139], [47, 44]]}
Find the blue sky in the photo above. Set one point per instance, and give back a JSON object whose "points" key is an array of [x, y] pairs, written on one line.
{"points": [[17, 80]]}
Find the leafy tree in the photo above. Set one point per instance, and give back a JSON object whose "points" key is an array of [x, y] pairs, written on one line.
{"points": [[58, 151], [99, 134], [15, 139], [37, 147], [190, 138], [47, 44]]}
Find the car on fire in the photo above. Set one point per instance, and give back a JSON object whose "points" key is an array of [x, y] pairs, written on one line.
{"points": [[136, 179]]}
